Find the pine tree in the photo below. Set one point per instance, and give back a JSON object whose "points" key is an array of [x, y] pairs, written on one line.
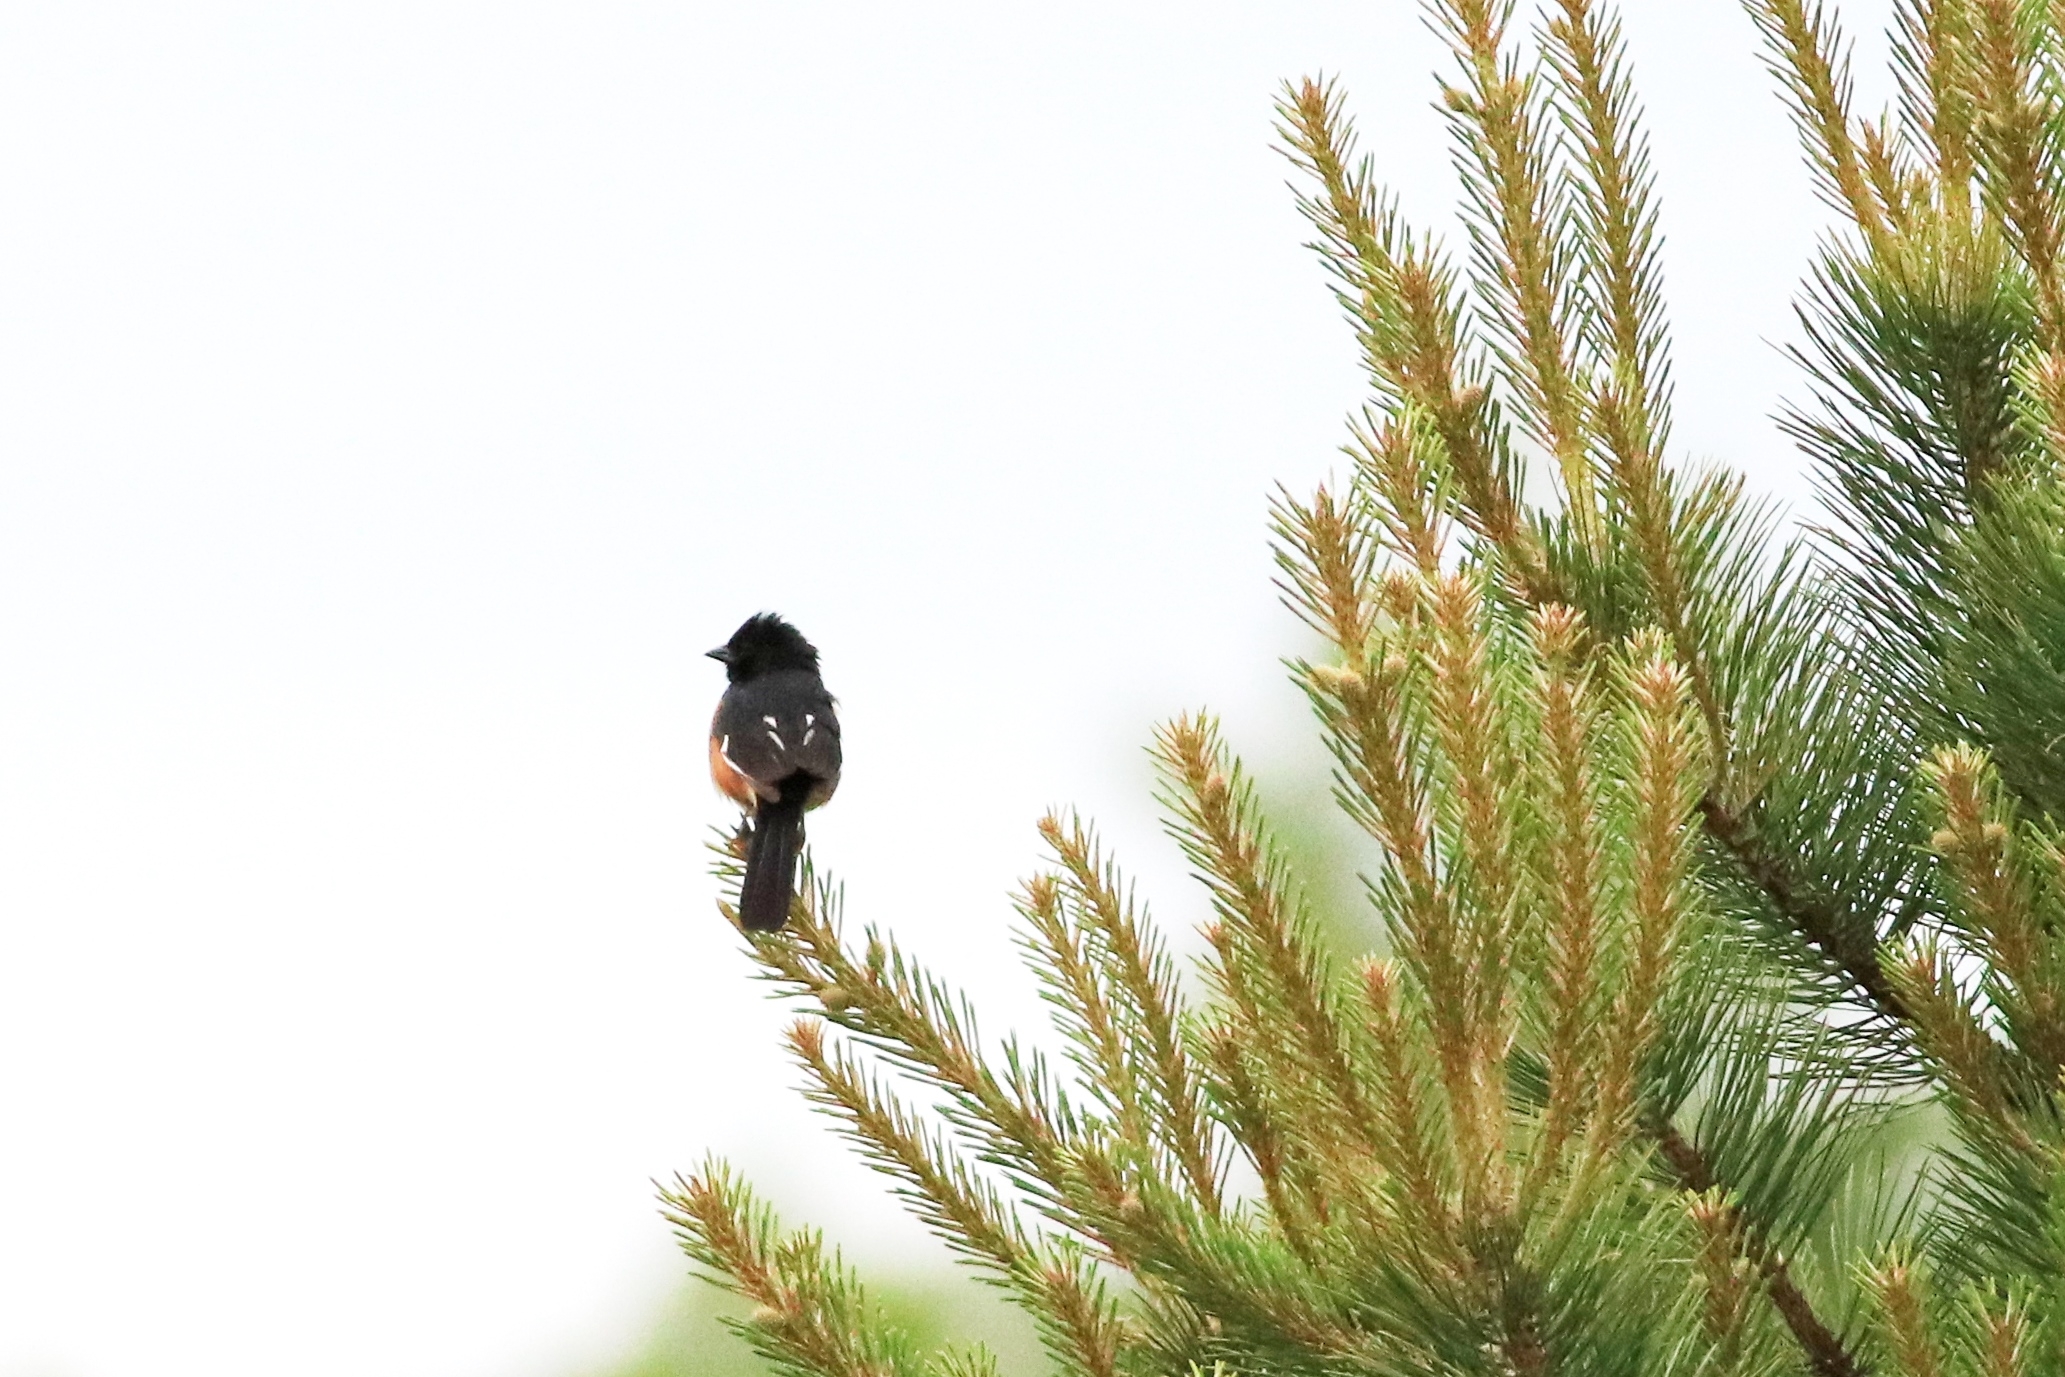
{"points": [[1720, 1015]]}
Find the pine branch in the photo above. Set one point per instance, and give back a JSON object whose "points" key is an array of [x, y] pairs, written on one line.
{"points": [[1410, 324], [1585, 52], [813, 1319], [1064, 1163], [1407, 1122], [1729, 1276], [1825, 1352], [1264, 939], [893, 1005], [1319, 136], [1267, 1136], [1079, 1323], [1932, 55], [958, 1206], [1663, 764], [1328, 565], [1812, 916], [1801, 42], [1509, 173], [2016, 153], [1981, 842], [1631, 408], [1402, 484], [1365, 712], [1575, 876], [1086, 1014], [1913, 1353], [1137, 970], [1973, 1066]]}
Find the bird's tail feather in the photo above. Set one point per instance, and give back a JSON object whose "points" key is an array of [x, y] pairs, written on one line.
{"points": [[771, 861]]}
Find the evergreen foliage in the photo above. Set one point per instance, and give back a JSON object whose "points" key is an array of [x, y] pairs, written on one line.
{"points": [[1721, 1014]]}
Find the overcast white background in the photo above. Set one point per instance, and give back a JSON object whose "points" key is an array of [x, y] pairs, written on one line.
{"points": [[396, 400]]}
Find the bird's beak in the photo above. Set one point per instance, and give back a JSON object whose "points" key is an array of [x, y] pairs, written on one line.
{"points": [[722, 654]]}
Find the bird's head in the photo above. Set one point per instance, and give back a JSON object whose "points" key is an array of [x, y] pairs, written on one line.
{"points": [[764, 645]]}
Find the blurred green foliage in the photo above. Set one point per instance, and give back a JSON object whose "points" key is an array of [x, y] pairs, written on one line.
{"points": [[689, 1338]]}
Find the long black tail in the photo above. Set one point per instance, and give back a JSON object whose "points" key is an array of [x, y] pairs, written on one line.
{"points": [[771, 860]]}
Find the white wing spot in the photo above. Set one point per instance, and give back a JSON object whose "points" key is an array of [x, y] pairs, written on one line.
{"points": [[776, 738], [809, 719], [808, 733], [770, 721]]}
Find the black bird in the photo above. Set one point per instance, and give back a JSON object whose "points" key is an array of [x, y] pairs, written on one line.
{"points": [[774, 748]]}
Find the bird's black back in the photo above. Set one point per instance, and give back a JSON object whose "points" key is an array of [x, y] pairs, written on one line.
{"points": [[777, 725]]}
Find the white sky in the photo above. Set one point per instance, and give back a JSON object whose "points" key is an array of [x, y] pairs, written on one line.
{"points": [[397, 399]]}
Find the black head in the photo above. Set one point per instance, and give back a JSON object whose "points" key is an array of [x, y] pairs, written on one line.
{"points": [[764, 645]]}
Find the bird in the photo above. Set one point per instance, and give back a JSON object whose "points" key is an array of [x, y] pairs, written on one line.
{"points": [[774, 750]]}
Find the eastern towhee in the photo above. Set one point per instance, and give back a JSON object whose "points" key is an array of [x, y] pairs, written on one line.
{"points": [[774, 748]]}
